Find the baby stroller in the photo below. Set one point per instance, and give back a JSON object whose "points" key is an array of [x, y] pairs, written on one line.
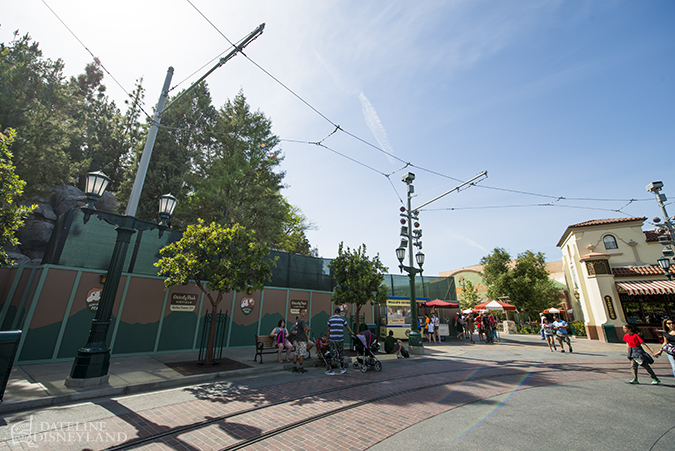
{"points": [[366, 345], [324, 353]]}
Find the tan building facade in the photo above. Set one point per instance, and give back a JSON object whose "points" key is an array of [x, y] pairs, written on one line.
{"points": [[610, 268]]}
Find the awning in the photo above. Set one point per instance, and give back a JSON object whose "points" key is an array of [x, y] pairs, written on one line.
{"points": [[439, 303], [634, 287]]}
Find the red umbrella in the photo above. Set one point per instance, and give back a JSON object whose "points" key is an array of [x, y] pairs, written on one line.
{"points": [[439, 303]]}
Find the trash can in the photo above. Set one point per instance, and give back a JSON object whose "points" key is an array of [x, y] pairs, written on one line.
{"points": [[9, 342], [610, 333]]}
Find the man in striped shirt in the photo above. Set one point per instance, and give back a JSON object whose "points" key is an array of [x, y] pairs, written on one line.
{"points": [[336, 341]]}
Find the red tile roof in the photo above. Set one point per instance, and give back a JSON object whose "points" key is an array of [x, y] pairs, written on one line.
{"points": [[593, 222], [631, 271]]}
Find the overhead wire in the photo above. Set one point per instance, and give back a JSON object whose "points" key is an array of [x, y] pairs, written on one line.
{"points": [[96, 59], [395, 157]]}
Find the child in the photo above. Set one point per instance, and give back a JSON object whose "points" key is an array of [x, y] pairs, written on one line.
{"points": [[547, 328], [637, 355]]}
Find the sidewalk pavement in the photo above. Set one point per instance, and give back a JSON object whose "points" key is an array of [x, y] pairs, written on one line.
{"points": [[43, 384]]}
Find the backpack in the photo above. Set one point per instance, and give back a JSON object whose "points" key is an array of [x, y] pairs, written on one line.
{"points": [[404, 352]]}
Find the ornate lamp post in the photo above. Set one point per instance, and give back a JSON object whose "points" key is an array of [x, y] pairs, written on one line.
{"points": [[667, 235], [92, 361], [411, 238]]}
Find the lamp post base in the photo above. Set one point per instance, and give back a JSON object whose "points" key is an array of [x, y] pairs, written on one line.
{"points": [[415, 343], [90, 364], [87, 383]]}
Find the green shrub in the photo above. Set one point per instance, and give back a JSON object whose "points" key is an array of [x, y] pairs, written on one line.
{"points": [[579, 329]]}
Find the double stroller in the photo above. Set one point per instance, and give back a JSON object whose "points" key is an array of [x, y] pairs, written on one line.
{"points": [[366, 347]]}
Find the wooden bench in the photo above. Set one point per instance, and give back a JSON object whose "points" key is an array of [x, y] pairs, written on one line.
{"points": [[264, 344]]}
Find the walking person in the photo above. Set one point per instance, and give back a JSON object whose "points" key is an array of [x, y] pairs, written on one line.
{"points": [[301, 329], [459, 325], [668, 345], [547, 328], [336, 337], [560, 326], [541, 323], [280, 336], [637, 355], [470, 327], [431, 335], [437, 323], [479, 327]]}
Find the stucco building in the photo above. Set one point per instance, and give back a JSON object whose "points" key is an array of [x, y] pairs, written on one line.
{"points": [[610, 268]]}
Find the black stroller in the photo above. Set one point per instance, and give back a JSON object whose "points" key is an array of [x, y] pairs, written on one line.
{"points": [[366, 345]]}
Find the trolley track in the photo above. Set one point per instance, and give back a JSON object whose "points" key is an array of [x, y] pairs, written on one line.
{"points": [[514, 368]]}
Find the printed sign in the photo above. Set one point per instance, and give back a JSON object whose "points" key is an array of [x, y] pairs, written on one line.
{"points": [[93, 298], [610, 307], [296, 305], [247, 305], [183, 302]]}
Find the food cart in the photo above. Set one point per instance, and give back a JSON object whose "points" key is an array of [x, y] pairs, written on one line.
{"points": [[395, 316]]}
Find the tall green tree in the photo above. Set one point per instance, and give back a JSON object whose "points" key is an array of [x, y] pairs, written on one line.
{"points": [[532, 285], [12, 214], [217, 259], [237, 180], [185, 134], [526, 281], [35, 100], [359, 279], [497, 273]]}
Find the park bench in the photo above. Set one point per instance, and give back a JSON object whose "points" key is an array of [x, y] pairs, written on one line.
{"points": [[264, 344]]}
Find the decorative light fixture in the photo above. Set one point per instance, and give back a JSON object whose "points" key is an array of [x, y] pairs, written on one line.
{"points": [[419, 258], [664, 263], [400, 254], [167, 203], [95, 184]]}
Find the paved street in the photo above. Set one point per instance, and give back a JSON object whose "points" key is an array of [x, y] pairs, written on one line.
{"points": [[511, 395]]}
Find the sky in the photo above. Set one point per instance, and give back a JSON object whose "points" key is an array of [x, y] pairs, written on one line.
{"points": [[568, 105]]}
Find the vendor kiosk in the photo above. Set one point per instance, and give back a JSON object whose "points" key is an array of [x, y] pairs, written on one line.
{"points": [[395, 316]]}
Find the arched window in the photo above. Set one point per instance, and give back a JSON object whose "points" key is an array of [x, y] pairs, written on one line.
{"points": [[610, 242]]}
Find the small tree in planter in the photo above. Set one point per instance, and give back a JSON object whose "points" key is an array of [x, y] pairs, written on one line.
{"points": [[217, 259], [358, 278]]}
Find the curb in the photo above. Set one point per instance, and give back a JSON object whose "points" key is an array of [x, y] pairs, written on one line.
{"points": [[108, 392]]}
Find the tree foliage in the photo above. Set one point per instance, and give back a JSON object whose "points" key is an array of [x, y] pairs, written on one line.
{"points": [[526, 282], [359, 279], [12, 215], [468, 295], [223, 164], [217, 259]]}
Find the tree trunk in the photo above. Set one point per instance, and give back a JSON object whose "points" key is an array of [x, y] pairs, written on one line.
{"points": [[212, 336]]}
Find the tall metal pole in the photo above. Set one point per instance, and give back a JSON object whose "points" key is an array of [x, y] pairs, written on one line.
{"points": [[415, 338], [135, 196]]}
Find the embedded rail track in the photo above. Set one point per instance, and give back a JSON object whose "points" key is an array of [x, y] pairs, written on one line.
{"points": [[467, 382]]}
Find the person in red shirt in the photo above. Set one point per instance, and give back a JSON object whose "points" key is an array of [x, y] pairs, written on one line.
{"points": [[637, 355]]}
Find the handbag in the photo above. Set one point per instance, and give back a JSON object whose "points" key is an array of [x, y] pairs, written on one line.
{"points": [[670, 349]]}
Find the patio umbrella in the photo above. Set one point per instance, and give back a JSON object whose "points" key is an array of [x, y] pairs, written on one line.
{"points": [[553, 310], [467, 311]]}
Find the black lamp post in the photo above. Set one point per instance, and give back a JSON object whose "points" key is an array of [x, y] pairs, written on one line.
{"points": [[92, 361]]}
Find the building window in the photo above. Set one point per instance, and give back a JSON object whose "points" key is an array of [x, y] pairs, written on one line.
{"points": [[610, 242]]}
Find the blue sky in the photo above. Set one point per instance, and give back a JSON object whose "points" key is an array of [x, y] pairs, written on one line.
{"points": [[552, 98]]}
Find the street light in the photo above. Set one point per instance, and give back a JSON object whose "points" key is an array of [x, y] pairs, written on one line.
{"points": [[410, 236], [664, 263], [667, 235], [91, 364]]}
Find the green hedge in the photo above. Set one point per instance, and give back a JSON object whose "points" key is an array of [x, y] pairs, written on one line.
{"points": [[579, 329]]}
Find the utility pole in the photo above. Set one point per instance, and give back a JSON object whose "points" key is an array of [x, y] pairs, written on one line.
{"points": [[412, 237], [668, 238]]}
